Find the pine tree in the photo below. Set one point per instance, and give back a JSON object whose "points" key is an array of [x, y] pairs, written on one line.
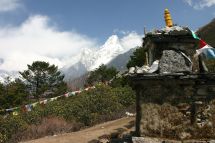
{"points": [[42, 77], [102, 74], [13, 94], [137, 59]]}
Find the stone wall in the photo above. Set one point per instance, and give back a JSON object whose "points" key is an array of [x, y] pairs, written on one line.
{"points": [[186, 92]]}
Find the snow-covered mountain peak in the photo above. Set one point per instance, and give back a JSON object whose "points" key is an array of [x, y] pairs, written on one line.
{"points": [[114, 39], [91, 59], [86, 52], [112, 43]]}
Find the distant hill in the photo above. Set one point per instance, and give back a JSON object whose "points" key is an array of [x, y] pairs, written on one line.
{"points": [[121, 60], [207, 33]]}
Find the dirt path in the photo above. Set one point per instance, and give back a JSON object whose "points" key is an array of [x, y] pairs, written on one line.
{"points": [[84, 136]]}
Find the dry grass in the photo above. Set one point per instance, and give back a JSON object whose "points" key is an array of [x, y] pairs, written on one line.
{"points": [[162, 121], [48, 127], [166, 121]]}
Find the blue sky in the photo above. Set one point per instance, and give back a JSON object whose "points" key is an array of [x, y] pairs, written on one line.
{"points": [[56, 30], [101, 18]]}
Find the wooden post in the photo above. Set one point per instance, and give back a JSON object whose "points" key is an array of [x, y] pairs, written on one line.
{"points": [[138, 113], [147, 59], [193, 113], [193, 106]]}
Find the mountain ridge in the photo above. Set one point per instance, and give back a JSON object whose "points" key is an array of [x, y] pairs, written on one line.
{"points": [[207, 33], [90, 59]]}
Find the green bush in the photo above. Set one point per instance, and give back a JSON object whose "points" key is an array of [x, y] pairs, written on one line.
{"points": [[88, 108], [33, 117], [10, 126]]}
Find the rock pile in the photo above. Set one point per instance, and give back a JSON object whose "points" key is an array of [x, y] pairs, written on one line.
{"points": [[171, 62]]}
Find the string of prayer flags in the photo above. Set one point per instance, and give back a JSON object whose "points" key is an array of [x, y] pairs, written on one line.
{"points": [[204, 49], [29, 107], [66, 95], [15, 113], [34, 104]]}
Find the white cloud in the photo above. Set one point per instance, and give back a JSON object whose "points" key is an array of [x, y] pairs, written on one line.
{"points": [[9, 5], [200, 4], [131, 40], [34, 40]]}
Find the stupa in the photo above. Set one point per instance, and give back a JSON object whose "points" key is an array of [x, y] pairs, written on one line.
{"points": [[173, 72]]}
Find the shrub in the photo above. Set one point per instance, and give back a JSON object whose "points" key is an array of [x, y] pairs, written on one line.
{"points": [[3, 138], [64, 115], [89, 106], [10, 126], [33, 117], [48, 126]]}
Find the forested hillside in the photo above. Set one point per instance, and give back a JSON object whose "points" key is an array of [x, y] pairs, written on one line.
{"points": [[207, 33]]}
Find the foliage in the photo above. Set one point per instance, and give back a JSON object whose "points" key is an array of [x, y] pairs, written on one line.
{"points": [[120, 81], [137, 59], [43, 77], [49, 126], [101, 74], [86, 109], [10, 126], [13, 94], [125, 95]]}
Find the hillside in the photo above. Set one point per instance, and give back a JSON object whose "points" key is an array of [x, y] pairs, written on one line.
{"points": [[125, 125], [207, 33], [121, 60]]}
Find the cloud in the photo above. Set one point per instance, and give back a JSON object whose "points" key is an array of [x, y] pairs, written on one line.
{"points": [[9, 5], [131, 40], [36, 39], [200, 4]]}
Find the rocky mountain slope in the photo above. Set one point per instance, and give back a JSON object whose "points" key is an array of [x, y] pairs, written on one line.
{"points": [[207, 33]]}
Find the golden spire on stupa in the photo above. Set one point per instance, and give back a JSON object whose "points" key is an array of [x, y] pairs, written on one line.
{"points": [[168, 19]]}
